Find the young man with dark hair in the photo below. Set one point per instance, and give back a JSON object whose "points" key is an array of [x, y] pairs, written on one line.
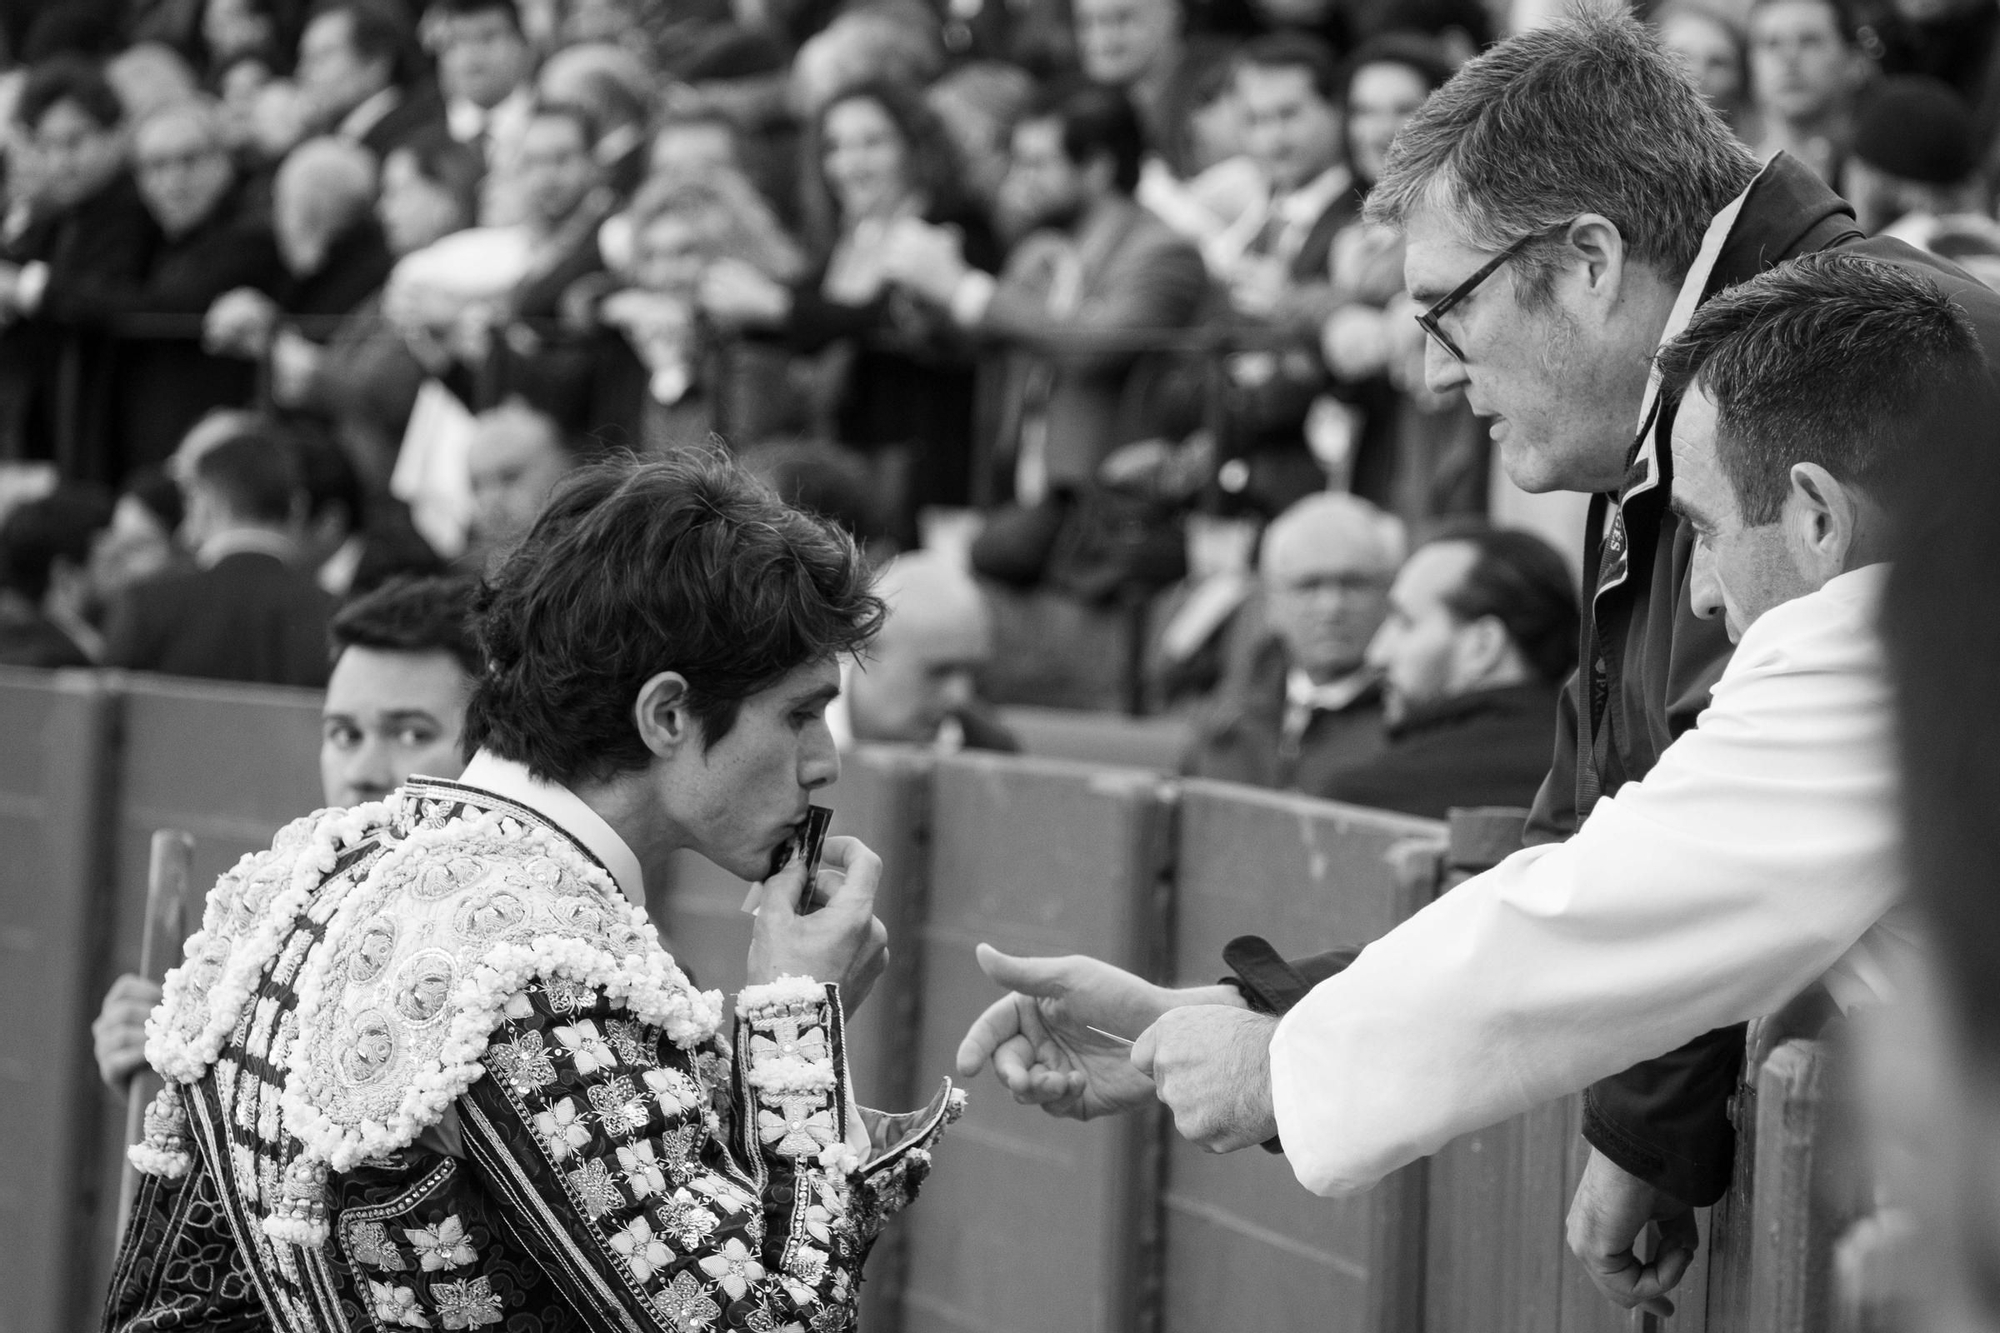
{"points": [[247, 612], [502, 1099], [1806, 65], [1481, 633], [404, 661], [1759, 855], [485, 72]]}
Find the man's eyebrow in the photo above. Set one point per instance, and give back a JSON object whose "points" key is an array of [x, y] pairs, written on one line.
{"points": [[1688, 511], [401, 714], [825, 694]]}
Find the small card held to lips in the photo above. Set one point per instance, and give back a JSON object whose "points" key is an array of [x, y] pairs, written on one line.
{"points": [[808, 839]]}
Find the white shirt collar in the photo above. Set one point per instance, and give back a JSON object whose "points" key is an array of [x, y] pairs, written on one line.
{"points": [[563, 808], [1302, 207], [245, 541], [1333, 697], [466, 118]]}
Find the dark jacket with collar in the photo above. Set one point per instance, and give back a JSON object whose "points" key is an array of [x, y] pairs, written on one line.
{"points": [[1242, 738], [1488, 747], [249, 617], [1647, 666]]}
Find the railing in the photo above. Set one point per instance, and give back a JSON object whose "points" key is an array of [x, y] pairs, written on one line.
{"points": [[1028, 1223]]}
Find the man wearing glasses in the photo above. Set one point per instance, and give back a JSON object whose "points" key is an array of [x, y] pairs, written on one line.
{"points": [[1568, 202]]}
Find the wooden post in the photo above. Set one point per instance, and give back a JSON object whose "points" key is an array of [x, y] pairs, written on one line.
{"points": [[167, 875]]}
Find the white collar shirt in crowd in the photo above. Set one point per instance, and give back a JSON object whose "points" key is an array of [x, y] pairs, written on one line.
{"points": [[245, 541], [1759, 855], [369, 113], [1303, 699], [493, 130], [1288, 215], [563, 808]]}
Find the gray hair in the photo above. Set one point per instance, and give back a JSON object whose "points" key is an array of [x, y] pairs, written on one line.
{"points": [[1324, 511], [337, 175], [1587, 115]]}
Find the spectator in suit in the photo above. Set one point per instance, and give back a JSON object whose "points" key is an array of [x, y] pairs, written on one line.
{"points": [[484, 73], [246, 612], [358, 77], [1277, 264], [1306, 705], [44, 563], [878, 155], [564, 200], [1481, 633], [918, 684], [216, 240], [353, 541], [615, 87], [334, 254], [1097, 268], [77, 231], [404, 660]]}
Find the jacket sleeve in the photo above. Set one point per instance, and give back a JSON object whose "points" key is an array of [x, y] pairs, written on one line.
{"points": [[177, 1265], [1553, 816], [668, 1189], [1748, 863]]}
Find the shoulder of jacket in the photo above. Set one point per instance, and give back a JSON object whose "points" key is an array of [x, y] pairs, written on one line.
{"points": [[423, 954]]}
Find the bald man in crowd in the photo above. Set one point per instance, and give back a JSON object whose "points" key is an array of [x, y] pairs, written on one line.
{"points": [[918, 684], [1307, 705]]}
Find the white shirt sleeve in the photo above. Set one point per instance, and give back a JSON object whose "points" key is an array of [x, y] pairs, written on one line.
{"points": [[1755, 854]]}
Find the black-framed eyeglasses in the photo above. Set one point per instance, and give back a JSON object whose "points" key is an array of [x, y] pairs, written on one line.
{"points": [[1427, 320]]}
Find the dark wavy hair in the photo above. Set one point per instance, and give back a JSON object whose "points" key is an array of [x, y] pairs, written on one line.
{"points": [[929, 157], [685, 564]]}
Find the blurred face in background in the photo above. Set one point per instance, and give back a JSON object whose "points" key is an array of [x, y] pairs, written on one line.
{"points": [[556, 167], [1122, 41], [332, 74], [413, 209], [1424, 652], [1710, 52], [866, 158], [1379, 99], [183, 170], [481, 55], [1801, 67], [136, 546], [75, 157], [516, 459], [390, 715], [1289, 127], [693, 148], [1043, 188], [231, 27], [672, 252], [1326, 587]]}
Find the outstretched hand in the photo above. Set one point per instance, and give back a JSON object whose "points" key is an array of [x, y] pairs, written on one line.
{"points": [[1039, 1040]]}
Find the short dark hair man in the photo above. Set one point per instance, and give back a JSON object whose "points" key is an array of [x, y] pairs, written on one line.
{"points": [[44, 561], [1480, 636], [357, 72], [486, 1030]]}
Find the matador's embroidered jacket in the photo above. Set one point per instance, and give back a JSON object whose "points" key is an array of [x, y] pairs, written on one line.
{"points": [[427, 1068]]}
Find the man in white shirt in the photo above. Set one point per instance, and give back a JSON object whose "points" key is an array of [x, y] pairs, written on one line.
{"points": [[1774, 819]]}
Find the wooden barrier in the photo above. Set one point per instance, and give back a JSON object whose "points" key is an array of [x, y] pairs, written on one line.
{"points": [[1032, 1224], [1100, 738], [1245, 1247], [53, 820]]}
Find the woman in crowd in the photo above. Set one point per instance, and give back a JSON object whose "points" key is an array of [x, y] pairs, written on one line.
{"points": [[1413, 453], [365, 379], [877, 155]]}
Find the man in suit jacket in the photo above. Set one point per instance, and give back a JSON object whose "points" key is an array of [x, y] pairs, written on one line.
{"points": [[246, 611], [1076, 301], [1276, 261], [357, 71], [77, 231]]}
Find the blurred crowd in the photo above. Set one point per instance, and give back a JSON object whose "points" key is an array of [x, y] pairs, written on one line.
{"points": [[294, 298]]}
